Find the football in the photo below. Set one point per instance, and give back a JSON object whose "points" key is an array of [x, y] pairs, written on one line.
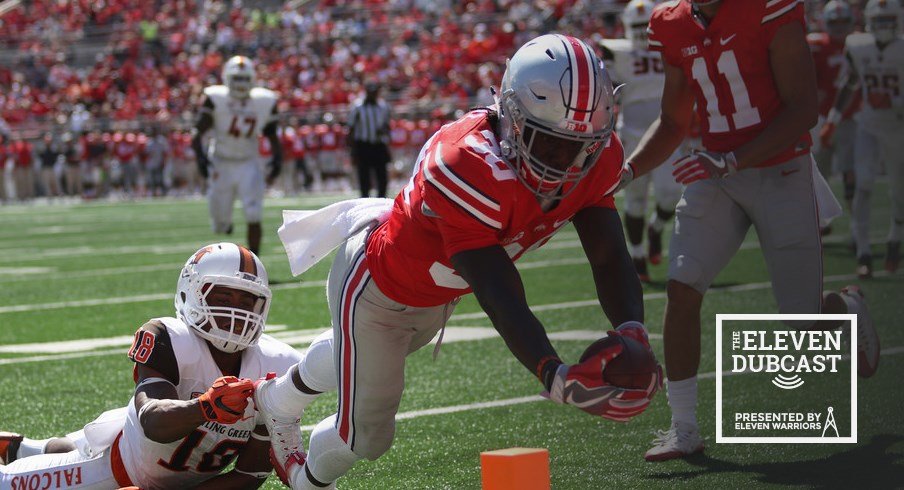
{"points": [[633, 368]]}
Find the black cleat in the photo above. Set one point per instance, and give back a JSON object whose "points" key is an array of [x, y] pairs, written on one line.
{"points": [[640, 265], [893, 257], [654, 245]]}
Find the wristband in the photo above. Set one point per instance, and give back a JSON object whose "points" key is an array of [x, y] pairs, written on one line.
{"points": [[547, 365]]}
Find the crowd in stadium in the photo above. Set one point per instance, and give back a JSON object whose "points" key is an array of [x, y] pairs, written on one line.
{"points": [[86, 71]]}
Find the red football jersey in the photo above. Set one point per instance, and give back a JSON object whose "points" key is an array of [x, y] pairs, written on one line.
{"points": [[828, 56], [464, 196], [727, 66]]}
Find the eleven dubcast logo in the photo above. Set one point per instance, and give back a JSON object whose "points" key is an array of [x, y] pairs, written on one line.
{"points": [[786, 354]]}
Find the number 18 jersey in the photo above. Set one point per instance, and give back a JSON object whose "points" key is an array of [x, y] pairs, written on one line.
{"points": [[727, 65]]}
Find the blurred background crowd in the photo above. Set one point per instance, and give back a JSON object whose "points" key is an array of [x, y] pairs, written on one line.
{"points": [[98, 97]]}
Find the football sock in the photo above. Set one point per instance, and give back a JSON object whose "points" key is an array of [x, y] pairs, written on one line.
{"points": [[634, 229], [683, 400], [636, 251], [659, 218], [861, 221], [329, 457], [285, 399], [897, 231], [31, 447]]}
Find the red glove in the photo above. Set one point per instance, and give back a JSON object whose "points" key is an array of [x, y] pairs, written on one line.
{"points": [[583, 386], [701, 165], [225, 401]]}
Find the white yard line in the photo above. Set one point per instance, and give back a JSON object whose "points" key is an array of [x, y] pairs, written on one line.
{"points": [[132, 299], [534, 398]]}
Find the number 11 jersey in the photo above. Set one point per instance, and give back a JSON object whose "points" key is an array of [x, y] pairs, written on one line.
{"points": [[726, 62]]}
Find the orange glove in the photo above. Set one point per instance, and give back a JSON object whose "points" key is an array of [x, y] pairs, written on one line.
{"points": [[226, 399]]}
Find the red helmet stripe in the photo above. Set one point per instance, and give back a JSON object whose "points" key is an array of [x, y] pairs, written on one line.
{"points": [[247, 264], [580, 79]]}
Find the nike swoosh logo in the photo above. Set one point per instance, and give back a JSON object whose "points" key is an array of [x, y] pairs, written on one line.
{"points": [[558, 223], [725, 40], [786, 173]]}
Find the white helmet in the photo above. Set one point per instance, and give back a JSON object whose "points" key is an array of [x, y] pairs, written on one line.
{"points": [[227, 328], [238, 76], [555, 113], [837, 19], [636, 18], [883, 19]]}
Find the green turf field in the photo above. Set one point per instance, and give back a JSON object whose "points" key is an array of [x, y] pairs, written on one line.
{"points": [[97, 271]]}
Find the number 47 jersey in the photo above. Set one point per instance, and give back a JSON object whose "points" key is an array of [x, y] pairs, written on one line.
{"points": [[726, 62], [238, 123]]}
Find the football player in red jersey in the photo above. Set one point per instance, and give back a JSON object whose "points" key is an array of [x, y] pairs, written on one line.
{"points": [[828, 55], [747, 66], [496, 183]]}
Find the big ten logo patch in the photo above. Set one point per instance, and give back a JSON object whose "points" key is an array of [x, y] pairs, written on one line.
{"points": [[779, 379]]}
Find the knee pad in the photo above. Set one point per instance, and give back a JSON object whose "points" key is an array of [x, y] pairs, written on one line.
{"points": [[317, 369], [329, 457]]}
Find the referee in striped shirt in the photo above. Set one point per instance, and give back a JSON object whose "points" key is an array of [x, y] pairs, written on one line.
{"points": [[368, 132]]}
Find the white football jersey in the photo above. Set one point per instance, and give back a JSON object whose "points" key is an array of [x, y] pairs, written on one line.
{"points": [[643, 75], [212, 446], [238, 123], [881, 75]]}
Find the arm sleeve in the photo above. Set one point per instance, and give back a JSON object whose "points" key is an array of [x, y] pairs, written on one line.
{"points": [[780, 12], [656, 37], [153, 348], [457, 192]]}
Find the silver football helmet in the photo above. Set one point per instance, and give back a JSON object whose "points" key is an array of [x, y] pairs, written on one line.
{"points": [[555, 106], [838, 19], [227, 328], [636, 18], [883, 19], [239, 76]]}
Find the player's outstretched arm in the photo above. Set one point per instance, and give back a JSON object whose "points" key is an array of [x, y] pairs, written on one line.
{"points": [[617, 285], [795, 78], [251, 469], [499, 290], [165, 418], [670, 128]]}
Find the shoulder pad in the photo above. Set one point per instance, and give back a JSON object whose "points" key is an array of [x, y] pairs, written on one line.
{"points": [[153, 348], [261, 93], [216, 91], [617, 45], [859, 39]]}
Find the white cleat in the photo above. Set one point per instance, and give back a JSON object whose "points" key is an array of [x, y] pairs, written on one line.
{"points": [[679, 441], [286, 444], [867, 339]]}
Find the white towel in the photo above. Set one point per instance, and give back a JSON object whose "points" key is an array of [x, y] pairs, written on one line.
{"points": [[827, 205], [310, 235]]}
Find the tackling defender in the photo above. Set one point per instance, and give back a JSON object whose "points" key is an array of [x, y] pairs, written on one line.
{"points": [[747, 66], [640, 69], [496, 183], [876, 60], [189, 418], [239, 113]]}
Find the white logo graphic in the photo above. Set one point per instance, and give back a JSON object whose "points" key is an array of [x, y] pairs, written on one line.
{"points": [[558, 223], [725, 40], [789, 359], [787, 382], [830, 422]]}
